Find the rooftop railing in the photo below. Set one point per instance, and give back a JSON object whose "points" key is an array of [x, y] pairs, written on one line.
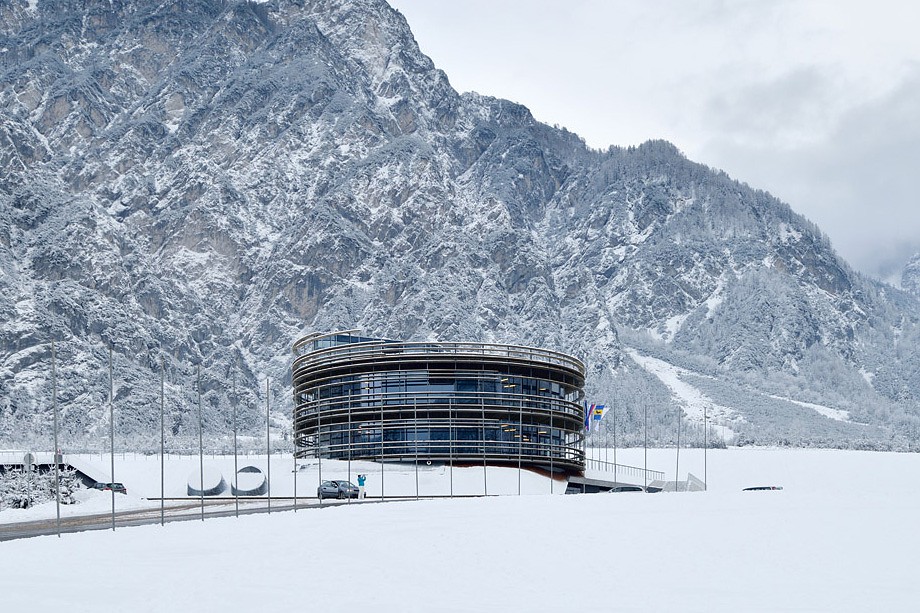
{"points": [[307, 357]]}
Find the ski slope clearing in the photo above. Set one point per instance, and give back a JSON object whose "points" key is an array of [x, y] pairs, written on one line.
{"points": [[692, 400], [838, 537], [837, 414]]}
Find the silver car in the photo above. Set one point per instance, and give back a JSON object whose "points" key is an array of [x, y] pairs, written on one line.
{"points": [[626, 488], [336, 489]]}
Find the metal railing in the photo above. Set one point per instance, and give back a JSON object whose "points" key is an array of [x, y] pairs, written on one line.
{"points": [[307, 357], [334, 408], [623, 469]]}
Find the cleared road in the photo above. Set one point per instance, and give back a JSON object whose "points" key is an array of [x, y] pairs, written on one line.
{"points": [[189, 511]]}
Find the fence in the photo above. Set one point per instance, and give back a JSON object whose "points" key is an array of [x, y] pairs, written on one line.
{"points": [[692, 484], [623, 469]]}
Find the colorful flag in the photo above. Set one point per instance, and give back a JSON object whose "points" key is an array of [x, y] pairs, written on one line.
{"points": [[599, 412], [588, 413]]}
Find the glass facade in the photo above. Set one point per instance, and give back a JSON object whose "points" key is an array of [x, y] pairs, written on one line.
{"points": [[363, 398]]}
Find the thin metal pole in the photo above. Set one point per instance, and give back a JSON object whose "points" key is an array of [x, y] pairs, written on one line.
{"points": [[349, 442], [584, 442], [162, 442], [294, 448], [677, 468], [236, 468], [381, 452], [552, 453], [645, 445], [450, 443], [112, 433], [485, 452], [705, 450], [614, 409], [591, 450], [200, 446], [319, 455], [415, 420], [521, 442], [268, 440], [57, 458]]}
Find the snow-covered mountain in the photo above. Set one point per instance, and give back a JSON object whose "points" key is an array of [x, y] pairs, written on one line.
{"points": [[910, 278], [203, 181]]}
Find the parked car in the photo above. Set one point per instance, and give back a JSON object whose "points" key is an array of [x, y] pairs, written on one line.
{"points": [[336, 489], [762, 487], [626, 488], [118, 488]]}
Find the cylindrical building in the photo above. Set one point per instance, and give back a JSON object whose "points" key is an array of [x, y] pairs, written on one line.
{"points": [[466, 403]]}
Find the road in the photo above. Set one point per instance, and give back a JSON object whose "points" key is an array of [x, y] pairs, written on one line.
{"points": [[186, 511]]}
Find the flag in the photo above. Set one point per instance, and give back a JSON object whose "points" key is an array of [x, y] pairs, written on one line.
{"points": [[599, 412], [588, 413]]}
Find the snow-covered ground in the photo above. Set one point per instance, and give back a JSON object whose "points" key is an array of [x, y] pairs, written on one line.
{"points": [[839, 537], [141, 475]]}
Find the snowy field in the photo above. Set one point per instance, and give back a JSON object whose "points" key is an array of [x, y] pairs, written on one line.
{"points": [[840, 536]]}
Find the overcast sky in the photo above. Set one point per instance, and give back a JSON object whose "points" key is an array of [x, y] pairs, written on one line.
{"points": [[817, 102]]}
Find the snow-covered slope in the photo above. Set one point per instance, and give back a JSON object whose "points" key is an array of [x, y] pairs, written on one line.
{"points": [[910, 278]]}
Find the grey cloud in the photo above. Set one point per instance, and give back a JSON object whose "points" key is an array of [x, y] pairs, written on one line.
{"points": [[859, 184], [785, 110]]}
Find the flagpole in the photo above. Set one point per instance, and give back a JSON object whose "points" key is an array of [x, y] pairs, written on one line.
{"points": [[614, 443]]}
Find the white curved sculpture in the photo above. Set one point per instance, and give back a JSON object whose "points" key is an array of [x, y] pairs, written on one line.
{"points": [[250, 481], [212, 483]]}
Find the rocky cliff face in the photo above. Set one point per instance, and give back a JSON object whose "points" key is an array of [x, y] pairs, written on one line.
{"points": [[203, 181]]}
